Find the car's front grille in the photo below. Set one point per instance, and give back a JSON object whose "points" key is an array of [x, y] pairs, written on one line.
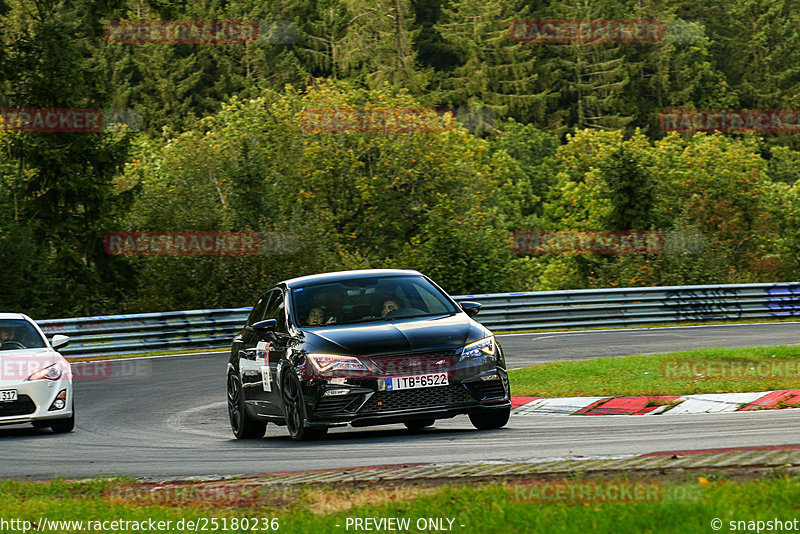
{"points": [[413, 364], [334, 404], [492, 389], [384, 401], [22, 406]]}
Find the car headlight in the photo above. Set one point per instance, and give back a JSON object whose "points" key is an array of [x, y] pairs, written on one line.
{"points": [[333, 363], [483, 347], [51, 372]]}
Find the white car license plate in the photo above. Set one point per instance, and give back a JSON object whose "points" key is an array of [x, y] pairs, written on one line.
{"points": [[8, 395], [417, 381]]}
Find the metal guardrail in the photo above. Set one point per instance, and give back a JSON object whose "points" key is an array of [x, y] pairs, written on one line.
{"points": [[637, 306], [144, 332], [200, 329]]}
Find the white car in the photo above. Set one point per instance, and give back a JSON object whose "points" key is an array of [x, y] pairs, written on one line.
{"points": [[35, 380]]}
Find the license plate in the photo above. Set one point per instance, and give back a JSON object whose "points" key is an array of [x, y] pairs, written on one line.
{"points": [[416, 381], [8, 395]]}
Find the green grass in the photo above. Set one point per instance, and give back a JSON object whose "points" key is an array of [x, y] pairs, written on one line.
{"points": [[481, 508], [773, 368]]}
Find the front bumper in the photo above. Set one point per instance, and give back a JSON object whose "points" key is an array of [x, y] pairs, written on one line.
{"points": [[366, 403], [34, 399]]}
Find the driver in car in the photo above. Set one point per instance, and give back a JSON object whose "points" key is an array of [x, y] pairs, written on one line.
{"points": [[316, 317], [6, 339], [388, 306]]}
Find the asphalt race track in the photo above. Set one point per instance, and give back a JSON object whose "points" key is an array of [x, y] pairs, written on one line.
{"points": [[166, 417]]}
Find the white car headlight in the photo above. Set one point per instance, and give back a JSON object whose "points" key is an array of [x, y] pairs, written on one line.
{"points": [[483, 347], [51, 372]]}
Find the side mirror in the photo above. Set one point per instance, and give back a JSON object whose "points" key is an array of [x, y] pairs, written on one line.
{"points": [[59, 341], [262, 328], [470, 308]]}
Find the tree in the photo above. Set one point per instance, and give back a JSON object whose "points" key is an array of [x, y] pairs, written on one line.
{"points": [[62, 182], [385, 54], [534, 151], [762, 52], [326, 41], [593, 76], [677, 72], [495, 76], [352, 198], [631, 190]]}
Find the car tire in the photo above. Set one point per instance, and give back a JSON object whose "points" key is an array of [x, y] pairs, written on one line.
{"points": [[294, 410], [490, 419], [62, 426], [242, 425], [419, 424]]}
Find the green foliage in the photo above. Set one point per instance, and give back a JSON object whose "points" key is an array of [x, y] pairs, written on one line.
{"points": [[462, 249], [542, 137], [494, 77], [59, 185], [630, 191], [533, 151], [710, 196], [346, 198]]}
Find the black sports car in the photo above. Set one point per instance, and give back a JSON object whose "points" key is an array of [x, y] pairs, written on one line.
{"points": [[366, 348]]}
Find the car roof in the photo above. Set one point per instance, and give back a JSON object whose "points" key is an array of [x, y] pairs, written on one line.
{"points": [[347, 275], [13, 316]]}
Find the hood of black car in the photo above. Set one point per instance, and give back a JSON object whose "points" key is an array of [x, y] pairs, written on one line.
{"points": [[396, 337]]}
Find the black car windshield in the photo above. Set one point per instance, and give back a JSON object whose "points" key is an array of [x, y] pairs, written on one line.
{"points": [[358, 300], [16, 334]]}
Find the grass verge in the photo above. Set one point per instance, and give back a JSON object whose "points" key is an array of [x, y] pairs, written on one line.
{"points": [[710, 370], [495, 507]]}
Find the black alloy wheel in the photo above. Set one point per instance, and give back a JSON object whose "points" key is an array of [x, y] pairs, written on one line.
{"points": [[242, 425], [294, 410]]}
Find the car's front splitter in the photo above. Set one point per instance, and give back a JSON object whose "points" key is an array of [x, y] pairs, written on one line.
{"points": [[367, 404], [39, 394]]}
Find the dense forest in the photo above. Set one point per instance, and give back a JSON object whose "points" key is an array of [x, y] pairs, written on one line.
{"points": [[529, 135]]}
